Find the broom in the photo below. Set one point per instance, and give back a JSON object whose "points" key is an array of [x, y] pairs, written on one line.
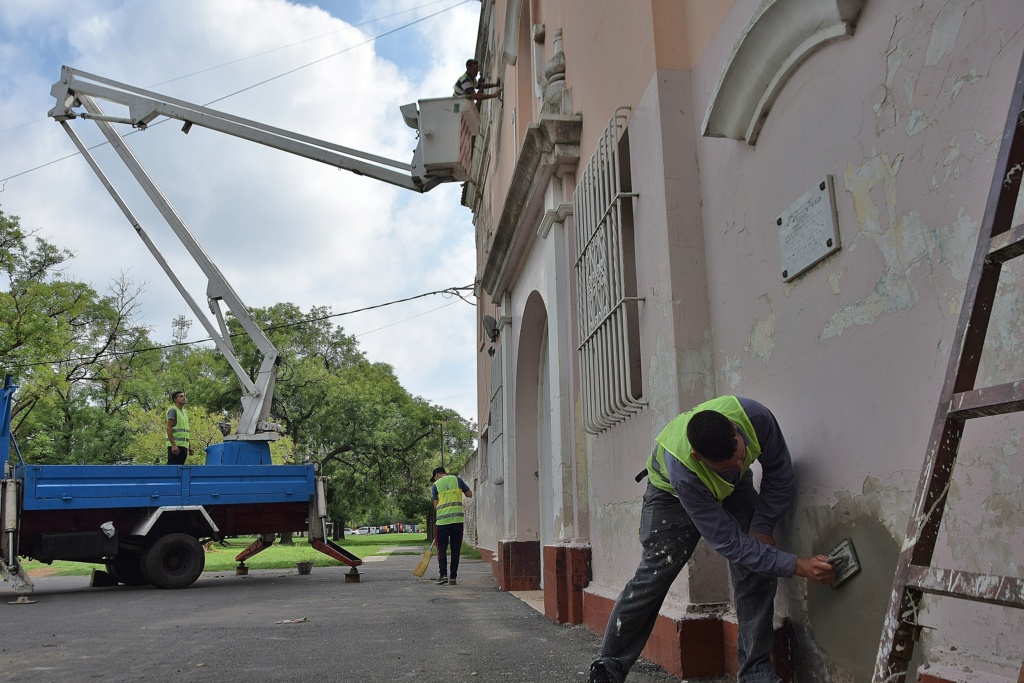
{"points": [[421, 568]]}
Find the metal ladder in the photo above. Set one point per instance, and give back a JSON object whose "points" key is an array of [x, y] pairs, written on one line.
{"points": [[998, 242]]}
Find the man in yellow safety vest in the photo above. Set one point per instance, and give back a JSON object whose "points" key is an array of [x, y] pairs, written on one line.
{"points": [[446, 492], [179, 444], [700, 486]]}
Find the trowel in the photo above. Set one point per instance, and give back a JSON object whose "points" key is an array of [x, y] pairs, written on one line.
{"points": [[844, 558]]}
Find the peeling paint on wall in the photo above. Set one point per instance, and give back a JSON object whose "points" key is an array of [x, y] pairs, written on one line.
{"points": [[944, 32], [909, 64], [676, 375], [761, 341], [730, 372], [905, 243]]}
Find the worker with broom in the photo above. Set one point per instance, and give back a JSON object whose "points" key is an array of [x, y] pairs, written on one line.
{"points": [[446, 492], [701, 486]]}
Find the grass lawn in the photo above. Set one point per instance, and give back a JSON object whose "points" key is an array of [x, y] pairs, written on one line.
{"points": [[222, 558]]}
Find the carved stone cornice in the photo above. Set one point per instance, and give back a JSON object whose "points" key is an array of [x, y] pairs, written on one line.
{"points": [[780, 36], [551, 145]]}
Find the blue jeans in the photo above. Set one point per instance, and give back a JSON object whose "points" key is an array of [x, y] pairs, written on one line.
{"points": [[449, 534], [668, 538]]}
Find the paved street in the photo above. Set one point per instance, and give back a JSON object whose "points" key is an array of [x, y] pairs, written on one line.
{"points": [[391, 626]]}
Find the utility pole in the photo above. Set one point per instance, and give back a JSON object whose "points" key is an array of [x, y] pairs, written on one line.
{"points": [[442, 444]]}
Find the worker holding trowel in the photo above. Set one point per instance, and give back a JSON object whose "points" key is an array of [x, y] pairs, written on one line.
{"points": [[700, 485]]}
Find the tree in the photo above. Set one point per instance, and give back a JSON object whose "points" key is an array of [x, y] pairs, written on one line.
{"points": [[374, 441], [94, 389], [78, 357]]}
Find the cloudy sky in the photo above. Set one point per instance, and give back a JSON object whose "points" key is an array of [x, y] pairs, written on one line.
{"points": [[281, 228]]}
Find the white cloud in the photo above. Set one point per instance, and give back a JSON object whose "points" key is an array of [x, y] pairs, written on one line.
{"points": [[281, 228]]}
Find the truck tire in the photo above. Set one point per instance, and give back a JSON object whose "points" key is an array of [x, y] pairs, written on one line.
{"points": [[127, 569], [174, 561]]}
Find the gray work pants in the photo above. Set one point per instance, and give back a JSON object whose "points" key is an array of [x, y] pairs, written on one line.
{"points": [[669, 537]]}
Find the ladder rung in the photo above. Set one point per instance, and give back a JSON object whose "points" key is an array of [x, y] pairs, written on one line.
{"points": [[1006, 246], [1006, 591], [996, 400]]}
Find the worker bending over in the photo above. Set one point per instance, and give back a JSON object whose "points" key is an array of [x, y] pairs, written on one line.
{"points": [[700, 485]]}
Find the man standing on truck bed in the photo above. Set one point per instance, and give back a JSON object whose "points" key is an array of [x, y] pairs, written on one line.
{"points": [[178, 441]]}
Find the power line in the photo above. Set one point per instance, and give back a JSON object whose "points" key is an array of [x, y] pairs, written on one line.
{"points": [[3, 181], [298, 42], [450, 291], [351, 47], [258, 54]]}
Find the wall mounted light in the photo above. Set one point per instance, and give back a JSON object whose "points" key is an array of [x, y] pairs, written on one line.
{"points": [[490, 326]]}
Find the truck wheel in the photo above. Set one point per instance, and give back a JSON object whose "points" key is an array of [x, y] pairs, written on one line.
{"points": [[127, 569], [174, 561]]}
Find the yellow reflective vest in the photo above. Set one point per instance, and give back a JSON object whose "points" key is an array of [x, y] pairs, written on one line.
{"points": [[180, 429], [449, 500], [673, 440]]}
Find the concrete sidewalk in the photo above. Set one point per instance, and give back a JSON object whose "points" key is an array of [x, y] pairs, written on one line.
{"points": [[391, 626]]}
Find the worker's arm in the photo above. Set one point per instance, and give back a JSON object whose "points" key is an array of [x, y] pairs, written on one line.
{"points": [[778, 485], [433, 494], [466, 491], [170, 430], [816, 569], [721, 530]]}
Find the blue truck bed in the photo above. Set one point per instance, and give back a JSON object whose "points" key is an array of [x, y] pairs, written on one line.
{"points": [[84, 487]]}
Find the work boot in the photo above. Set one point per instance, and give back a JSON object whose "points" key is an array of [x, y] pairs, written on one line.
{"points": [[442, 581], [598, 674], [452, 582]]}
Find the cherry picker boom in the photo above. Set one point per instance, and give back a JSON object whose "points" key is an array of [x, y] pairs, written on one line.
{"points": [[146, 522]]}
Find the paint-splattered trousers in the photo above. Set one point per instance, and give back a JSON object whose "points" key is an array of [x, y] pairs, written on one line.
{"points": [[668, 538]]}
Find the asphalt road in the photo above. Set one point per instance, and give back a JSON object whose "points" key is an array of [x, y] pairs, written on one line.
{"points": [[391, 626]]}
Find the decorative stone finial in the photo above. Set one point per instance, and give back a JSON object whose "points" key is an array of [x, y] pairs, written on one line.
{"points": [[556, 95]]}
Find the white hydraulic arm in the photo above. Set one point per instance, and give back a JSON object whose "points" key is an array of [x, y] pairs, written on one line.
{"points": [[78, 95]]}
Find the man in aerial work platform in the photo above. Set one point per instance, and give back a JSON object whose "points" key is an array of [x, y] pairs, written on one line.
{"points": [[467, 85]]}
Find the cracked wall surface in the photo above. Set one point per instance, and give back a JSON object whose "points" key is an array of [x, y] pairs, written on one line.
{"points": [[908, 117]]}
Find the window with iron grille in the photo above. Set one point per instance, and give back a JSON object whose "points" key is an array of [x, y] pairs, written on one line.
{"points": [[606, 292]]}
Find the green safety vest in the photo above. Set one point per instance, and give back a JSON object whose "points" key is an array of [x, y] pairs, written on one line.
{"points": [[449, 500], [180, 429], [673, 440]]}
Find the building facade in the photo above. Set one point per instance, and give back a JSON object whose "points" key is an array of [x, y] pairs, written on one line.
{"points": [[780, 199]]}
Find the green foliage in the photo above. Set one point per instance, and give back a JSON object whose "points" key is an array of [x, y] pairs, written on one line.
{"points": [[78, 357], [221, 558], [94, 390]]}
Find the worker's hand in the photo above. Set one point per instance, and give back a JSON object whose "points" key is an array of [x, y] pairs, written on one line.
{"points": [[191, 451], [174, 449], [767, 539], [816, 568]]}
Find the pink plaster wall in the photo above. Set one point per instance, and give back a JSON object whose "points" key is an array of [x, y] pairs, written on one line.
{"points": [[906, 115]]}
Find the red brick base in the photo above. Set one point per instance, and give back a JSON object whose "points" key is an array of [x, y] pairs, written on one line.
{"points": [[688, 648], [566, 574], [518, 565], [694, 646]]}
